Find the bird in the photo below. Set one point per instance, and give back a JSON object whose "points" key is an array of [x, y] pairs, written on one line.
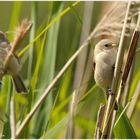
{"points": [[105, 54], [13, 66]]}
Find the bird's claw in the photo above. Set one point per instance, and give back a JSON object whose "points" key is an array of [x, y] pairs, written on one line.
{"points": [[110, 92]]}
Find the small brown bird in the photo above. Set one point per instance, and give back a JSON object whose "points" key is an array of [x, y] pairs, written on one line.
{"points": [[13, 66], [105, 54]]}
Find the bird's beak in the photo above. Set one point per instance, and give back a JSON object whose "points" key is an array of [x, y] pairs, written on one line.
{"points": [[114, 45]]}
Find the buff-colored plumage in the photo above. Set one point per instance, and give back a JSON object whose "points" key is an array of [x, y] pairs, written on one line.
{"points": [[104, 58]]}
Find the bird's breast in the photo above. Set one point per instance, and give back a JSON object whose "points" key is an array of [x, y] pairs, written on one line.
{"points": [[103, 71]]}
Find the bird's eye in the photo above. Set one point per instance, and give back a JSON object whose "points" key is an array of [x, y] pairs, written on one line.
{"points": [[106, 45]]}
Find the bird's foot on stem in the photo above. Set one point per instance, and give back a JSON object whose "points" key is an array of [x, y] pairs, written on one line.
{"points": [[110, 93]]}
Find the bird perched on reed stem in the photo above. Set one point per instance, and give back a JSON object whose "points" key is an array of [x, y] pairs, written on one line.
{"points": [[105, 54], [12, 66]]}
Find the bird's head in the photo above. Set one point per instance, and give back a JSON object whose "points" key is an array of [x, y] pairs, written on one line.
{"points": [[105, 45]]}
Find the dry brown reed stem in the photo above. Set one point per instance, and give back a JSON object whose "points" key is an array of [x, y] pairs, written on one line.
{"points": [[134, 101], [128, 85], [118, 65], [98, 131], [131, 53], [133, 44], [12, 118], [135, 98], [130, 57]]}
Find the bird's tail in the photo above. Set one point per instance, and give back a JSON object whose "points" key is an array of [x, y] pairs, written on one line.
{"points": [[19, 85]]}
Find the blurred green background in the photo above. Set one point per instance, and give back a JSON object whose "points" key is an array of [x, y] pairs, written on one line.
{"points": [[44, 59]]}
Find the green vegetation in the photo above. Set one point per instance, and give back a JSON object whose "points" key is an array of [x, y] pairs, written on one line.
{"points": [[53, 39]]}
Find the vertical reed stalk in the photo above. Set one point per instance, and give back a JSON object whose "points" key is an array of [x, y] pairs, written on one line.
{"points": [[12, 118], [128, 85], [130, 57], [118, 65]]}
